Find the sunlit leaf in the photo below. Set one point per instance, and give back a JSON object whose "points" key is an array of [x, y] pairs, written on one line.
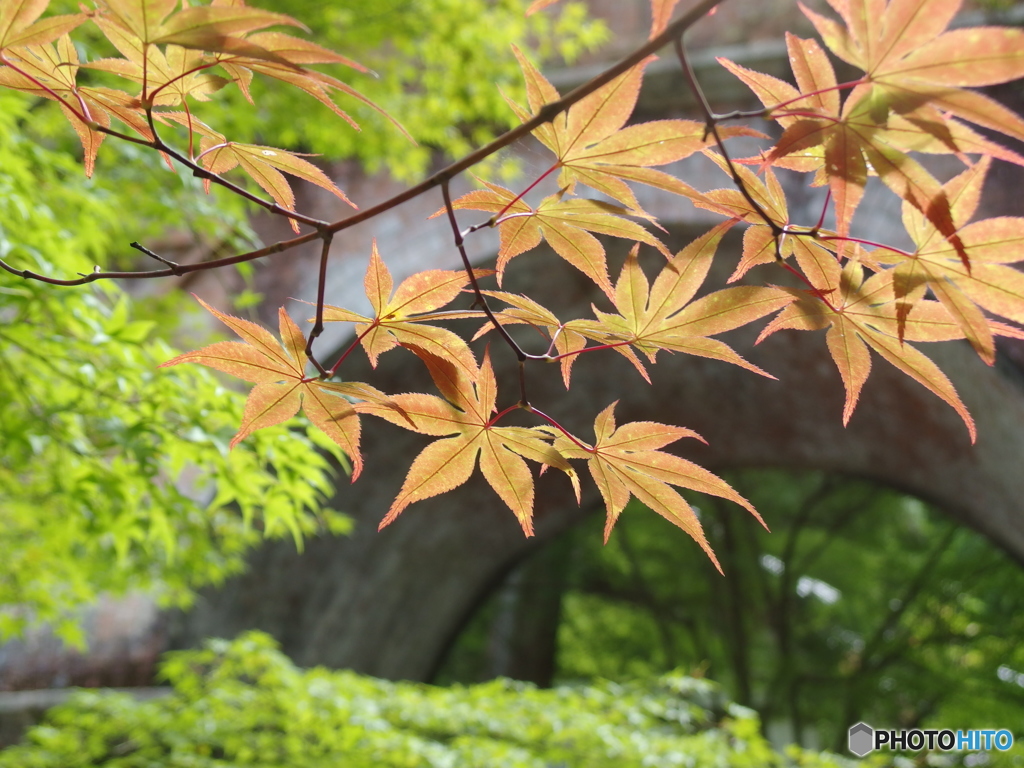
{"points": [[625, 461], [278, 370], [466, 413], [402, 318]]}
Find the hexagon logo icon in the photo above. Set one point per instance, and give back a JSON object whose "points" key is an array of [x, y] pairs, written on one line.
{"points": [[861, 739]]}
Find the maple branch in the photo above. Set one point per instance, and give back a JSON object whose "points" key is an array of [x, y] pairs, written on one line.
{"points": [[546, 114], [778, 233], [318, 325], [523, 399], [172, 264], [550, 357], [181, 269], [712, 127], [143, 142], [481, 300], [201, 173], [159, 145]]}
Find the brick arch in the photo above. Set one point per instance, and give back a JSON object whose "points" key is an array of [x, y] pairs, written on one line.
{"points": [[390, 603]]}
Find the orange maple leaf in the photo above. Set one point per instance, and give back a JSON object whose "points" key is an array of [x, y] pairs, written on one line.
{"points": [[226, 32], [169, 75], [539, 5], [284, 58], [860, 314], [466, 413], [50, 71], [914, 67], [565, 224], [278, 370], [909, 58], [625, 461], [933, 264], [593, 148], [665, 316], [20, 24], [156, 22], [759, 241], [264, 165], [661, 12], [400, 315], [846, 143], [653, 318]]}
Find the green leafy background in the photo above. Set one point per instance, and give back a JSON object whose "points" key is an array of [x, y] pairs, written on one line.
{"points": [[115, 475], [245, 704]]}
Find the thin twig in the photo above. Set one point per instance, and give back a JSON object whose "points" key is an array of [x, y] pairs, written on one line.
{"points": [[318, 325], [181, 269], [546, 114], [524, 401], [201, 173], [172, 264], [712, 127], [778, 232], [481, 300], [82, 115]]}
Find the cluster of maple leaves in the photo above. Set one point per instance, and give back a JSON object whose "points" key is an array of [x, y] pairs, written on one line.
{"points": [[910, 98]]}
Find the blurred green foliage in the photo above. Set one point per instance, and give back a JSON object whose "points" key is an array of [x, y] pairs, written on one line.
{"points": [[997, 5], [862, 604], [245, 704], [439, 67], [115, 475]]}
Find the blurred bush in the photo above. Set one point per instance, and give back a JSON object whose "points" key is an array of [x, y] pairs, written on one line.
{"points": [[243, 703]]}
